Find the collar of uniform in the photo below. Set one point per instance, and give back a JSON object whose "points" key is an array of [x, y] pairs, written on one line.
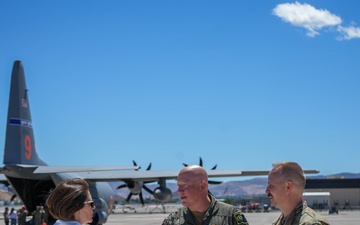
{"points": [[298, 209], [212, 206]]}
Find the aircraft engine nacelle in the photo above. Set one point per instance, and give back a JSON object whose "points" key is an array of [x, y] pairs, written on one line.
{"points": [[135, 187], [162, 193], [100, 213]]}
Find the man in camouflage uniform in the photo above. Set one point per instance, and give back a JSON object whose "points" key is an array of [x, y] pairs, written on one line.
{"points": [[286, 183], [22, 214], [200, 207], [38, 216]]}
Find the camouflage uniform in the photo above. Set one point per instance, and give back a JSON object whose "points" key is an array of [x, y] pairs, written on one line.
{"points": [[301, 215], [22, 214], [38, 216], [217, 214]]}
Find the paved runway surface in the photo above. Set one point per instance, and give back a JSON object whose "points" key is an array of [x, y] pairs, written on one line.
{"points": [[144, 217], [151, 215]]}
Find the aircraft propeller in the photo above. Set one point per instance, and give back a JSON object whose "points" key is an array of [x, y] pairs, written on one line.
{"points": [[213, 168], [135, 187]]}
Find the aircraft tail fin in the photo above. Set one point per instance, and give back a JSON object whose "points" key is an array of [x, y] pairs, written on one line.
{"points": [[19, 141]]}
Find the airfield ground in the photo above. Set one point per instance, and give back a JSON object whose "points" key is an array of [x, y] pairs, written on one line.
{"points": [[151, 215], [154, 215]]}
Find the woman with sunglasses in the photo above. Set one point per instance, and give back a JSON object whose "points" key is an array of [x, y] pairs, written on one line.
{"points": [[71, 203]]}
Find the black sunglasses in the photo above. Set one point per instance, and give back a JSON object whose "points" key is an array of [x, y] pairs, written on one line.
{"points": [[91, 203]]}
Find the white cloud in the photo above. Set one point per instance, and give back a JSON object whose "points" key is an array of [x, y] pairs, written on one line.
{"points": [[306, 16], [349, 32]]}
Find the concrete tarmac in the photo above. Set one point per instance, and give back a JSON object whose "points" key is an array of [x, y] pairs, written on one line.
{"points": [[153, 215]]}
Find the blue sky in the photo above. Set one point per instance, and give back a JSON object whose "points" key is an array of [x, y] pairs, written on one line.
{"points": [[242, 84]]}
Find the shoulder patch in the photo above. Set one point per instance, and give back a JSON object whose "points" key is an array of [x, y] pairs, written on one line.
{"points": [[240, 219]]}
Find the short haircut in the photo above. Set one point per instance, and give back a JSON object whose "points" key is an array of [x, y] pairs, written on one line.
{"points": [[291, 171], [67, 198]]}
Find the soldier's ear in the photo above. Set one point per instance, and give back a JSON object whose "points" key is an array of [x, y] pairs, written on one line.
{"points": [[289, 185]]}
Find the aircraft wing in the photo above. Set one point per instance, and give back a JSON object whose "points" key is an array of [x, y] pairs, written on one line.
{"points": [[152, 175], [75, 169], [65, 169]]}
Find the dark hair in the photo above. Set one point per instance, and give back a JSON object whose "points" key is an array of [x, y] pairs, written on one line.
{"points": [[67, 198]]}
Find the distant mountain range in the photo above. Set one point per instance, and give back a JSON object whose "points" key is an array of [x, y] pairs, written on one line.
{"points": [[338, 176], [251, 187]]}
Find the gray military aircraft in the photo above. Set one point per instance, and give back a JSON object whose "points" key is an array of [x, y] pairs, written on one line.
{"points": [[32, 179]]}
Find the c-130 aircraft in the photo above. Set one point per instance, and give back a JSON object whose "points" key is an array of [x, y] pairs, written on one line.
{"points": [[32, 179]]}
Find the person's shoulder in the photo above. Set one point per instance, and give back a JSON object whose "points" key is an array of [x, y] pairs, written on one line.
{"points": [[223, 205], [310, 215], [233, 210], [174, 216], [180, 211], [309, 212]]}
